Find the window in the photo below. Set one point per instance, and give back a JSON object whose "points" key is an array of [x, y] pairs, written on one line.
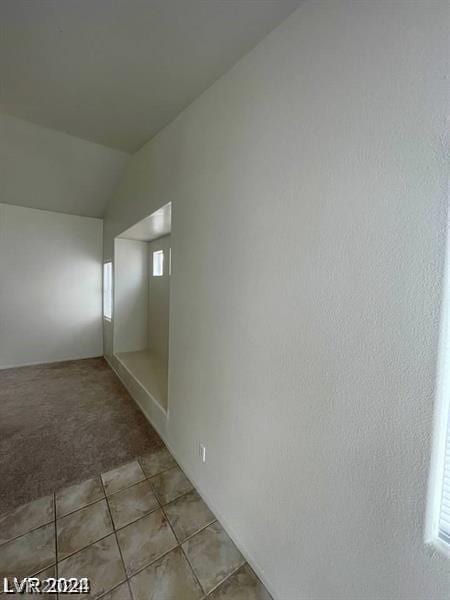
{"points": [[158, 263], [444, 513], [107, 290], [439, 519], [438, 509]]}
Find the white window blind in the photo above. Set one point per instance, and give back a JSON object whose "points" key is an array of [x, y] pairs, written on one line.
{"points": [[107, 290], [444, 513]]}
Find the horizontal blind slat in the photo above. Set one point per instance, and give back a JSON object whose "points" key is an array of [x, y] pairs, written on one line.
{"points": [[444, 514]]}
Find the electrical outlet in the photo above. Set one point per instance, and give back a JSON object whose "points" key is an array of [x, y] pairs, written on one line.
{"points": [[202, 452]]}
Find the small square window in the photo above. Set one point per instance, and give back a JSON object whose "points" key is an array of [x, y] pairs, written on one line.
{"points": [[158, 263]]}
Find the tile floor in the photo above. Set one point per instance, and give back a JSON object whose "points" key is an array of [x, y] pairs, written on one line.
{"points": [[138, 532]]}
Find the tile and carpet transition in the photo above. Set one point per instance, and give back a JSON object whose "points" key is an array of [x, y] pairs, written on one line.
{"points": [[139, 532], [62, 422], [136, 531]]}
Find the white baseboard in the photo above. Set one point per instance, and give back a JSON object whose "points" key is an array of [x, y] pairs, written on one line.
{"points": [[207, 499], [224, 522], [157, 416], [48, 362]]}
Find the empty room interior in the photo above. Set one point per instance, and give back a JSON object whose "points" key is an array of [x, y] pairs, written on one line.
{"points": [[224, 299]]}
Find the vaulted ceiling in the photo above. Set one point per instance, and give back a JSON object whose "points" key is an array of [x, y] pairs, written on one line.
{"points": [[116, 71]]}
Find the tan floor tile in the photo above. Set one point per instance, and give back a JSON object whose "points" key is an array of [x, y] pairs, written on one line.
{"points": [[132, 504], [25, 518], [42, 576], [28, 554], [100, 563], [122, 477], [145, 540], [156, 462], [81, 528], [242, 585], [169, 578], [188, 514], [212, 555], [119, 593], [77, 496], [51, 572], [170, 485]]}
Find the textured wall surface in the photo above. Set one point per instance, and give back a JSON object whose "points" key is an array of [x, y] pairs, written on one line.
{"points": [[158, 301], [130, 295], [309, 190], [45, 169], [51, 286]]}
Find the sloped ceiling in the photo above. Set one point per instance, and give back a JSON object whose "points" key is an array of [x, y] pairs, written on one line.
{"points": [[115, 72]]}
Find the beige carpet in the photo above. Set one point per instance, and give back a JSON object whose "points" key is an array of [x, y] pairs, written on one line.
{"points": [[64, 422]]}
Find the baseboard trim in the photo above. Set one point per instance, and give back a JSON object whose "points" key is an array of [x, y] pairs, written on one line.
{"points": [[207, 499], [49, 362], [160, 427], [224, 522], [142, 386]]}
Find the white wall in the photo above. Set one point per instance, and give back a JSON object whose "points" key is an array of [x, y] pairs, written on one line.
{"points": [[130, 295], [308, 189], [159, 301], [46, 169], [50, 286]]}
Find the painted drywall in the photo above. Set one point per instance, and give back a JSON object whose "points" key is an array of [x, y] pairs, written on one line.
{"points": [[158, 302], [45, 169], [50, 286], [117, 72], [309, 191], [130, 311]]}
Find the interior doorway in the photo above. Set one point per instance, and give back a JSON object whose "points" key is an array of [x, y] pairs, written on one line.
{"points": [[142, 269]]}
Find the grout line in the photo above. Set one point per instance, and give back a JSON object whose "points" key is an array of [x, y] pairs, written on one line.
{"points": [[120, 551], [112, 589], [29, 530], [150, 512], [177, 498], [193, 535], [199, 531], [160, 506], [193, 571], [88, 546], [159, 472], [55, 518], [94, 476], [126, 487], [152, 562], [227, 577], [115, 533], [84, 505], [129, 589], [156, 559], [26, 533], [182, 550], [56, 541], [114, 529], [164, 471], [72, 512]]}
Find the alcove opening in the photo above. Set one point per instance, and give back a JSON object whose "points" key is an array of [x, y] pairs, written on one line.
{"points": [[142, 271]]}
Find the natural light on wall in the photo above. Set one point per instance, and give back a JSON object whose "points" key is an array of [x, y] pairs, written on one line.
{"points": [[158, 263], [438, 514], [107, 290]]}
